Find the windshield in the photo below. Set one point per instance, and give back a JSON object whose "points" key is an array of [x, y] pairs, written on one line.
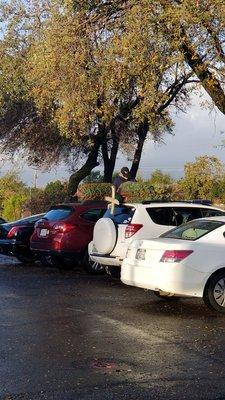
{"points": [[193, 230], [59, 213]]}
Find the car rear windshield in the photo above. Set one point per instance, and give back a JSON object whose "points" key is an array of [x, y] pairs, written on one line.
{"points": [[193, 230], [56, 214], [122, 215]]}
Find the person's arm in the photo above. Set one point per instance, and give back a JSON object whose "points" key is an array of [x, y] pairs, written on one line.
{"points": [[116, 182]]}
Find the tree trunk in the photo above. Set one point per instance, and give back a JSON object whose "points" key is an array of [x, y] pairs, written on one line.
{"points": [[142, 134], [85, 170], [110, 160]]}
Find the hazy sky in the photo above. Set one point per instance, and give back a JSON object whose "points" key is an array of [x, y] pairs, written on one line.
{"points": [[198, 132]]}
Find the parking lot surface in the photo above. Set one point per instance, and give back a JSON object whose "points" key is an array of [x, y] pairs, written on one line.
{"points": [[69, 335]]}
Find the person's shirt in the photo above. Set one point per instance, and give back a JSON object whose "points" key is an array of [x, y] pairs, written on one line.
{"points": [[118, 181]]}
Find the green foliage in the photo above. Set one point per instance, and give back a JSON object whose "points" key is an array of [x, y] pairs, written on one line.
{"points": [[56, 192], [41, 199], [13, 207], [132, 191], [16, 197], [202, 178], [137, 191], [37, 201], [94, 191], [11, 183], [13, 194], [219, 191], [81, 62], [140, 191], [84, 65], [160, 178]]}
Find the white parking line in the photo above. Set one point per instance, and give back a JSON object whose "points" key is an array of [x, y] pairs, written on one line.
{"points": [[131, 331]]}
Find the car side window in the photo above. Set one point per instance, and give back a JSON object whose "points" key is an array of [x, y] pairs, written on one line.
{"points": [[181, 215], [161, 215], [207, 212], [93, 215]]}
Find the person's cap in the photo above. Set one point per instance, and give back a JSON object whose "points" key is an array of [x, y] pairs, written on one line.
{"points": [[125, 172]]}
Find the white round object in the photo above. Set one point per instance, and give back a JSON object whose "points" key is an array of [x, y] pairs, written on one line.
{"points": [[105, 235]]}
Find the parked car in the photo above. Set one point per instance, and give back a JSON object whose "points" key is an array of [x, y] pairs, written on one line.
{"points": [[186, 261], [139, 221], [15, 237], [63, 234]]}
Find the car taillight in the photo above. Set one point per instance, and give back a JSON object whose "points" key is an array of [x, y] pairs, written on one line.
{"points": [[13, 232], [131, 229], [175, 255], [63, 227]]}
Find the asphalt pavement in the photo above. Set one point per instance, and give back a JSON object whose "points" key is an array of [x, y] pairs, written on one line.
{"points": [[72, 336]]}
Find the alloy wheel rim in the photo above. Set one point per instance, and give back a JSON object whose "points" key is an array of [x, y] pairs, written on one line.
{"points": [[219, 292]]}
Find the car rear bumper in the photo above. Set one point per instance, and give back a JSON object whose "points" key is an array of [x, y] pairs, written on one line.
{"points": [[13, 248], [57, 253], [6, 247], [106, 259], [173, 278]]}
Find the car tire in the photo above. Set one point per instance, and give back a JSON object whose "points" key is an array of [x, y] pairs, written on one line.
{"points": [[92, 267], [165, 295], [114, 272], [214, 293], [46, 261], [56, 262]]}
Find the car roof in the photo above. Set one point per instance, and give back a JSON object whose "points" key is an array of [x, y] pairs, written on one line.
{"points": [[219, 218], [25, 219], [86, 203], [173, 204]]}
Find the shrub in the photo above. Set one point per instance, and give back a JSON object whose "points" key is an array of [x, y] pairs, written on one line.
{"points": [[137, 191], [133, 191], [94, 191], [140, 191]]}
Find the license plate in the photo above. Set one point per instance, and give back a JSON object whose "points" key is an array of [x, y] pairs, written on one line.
{"points": [[44, 232], [140, 255]]}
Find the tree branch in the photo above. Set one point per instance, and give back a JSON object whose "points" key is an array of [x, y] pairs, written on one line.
{"points": [[208, 80]]}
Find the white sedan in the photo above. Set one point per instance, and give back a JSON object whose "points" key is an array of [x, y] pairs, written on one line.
{"points": [[186, 261]]}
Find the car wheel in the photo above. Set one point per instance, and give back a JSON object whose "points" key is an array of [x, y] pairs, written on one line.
{"points": [[114, 272], [92, 267], [214, 293], [165, 295], [46, 261]]}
